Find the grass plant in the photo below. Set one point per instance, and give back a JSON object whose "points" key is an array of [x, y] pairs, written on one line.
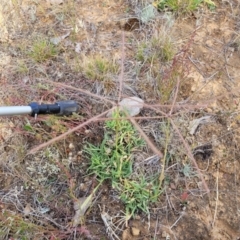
{"points": [[113, 160], [157, 55], [22, 67], [99, 68], [42, 50], [158, 48]]}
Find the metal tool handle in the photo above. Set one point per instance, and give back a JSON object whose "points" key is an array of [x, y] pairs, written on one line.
{"points": [[17, 110], [60, 108]]}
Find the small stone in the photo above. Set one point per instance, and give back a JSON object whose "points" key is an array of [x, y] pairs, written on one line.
{"points": [[193, 88], [173, 186], [135, 231], [71, 146], [86, 179], [83, 187]]}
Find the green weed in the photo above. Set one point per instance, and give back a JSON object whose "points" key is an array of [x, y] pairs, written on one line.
{"points": [[43, 50], [138, 194], [113, 160]]}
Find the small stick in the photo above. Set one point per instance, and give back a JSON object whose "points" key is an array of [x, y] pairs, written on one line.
{"points": [[217, 195], [145, 137], [175, 97], [122, 69]]}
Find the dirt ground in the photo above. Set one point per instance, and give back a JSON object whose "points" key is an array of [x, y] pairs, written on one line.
{"points": [[36, 189]]}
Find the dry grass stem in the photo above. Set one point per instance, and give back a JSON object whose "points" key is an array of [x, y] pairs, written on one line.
{"points": [[217, 198], [175, 96]]}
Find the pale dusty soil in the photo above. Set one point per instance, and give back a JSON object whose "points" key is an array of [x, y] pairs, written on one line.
{"points": [[213, 79]]}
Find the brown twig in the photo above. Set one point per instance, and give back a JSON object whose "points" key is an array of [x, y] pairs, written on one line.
{"points": [[217, 198]]}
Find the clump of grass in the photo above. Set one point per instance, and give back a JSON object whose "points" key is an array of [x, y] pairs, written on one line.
{"points": [[158, 48], [138, 194], [102, 70], [22, 67], [155, 56], [183, 6], [42, 50], [113, 160], [99, 68]]}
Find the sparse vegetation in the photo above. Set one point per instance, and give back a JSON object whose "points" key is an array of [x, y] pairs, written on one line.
{"points": [[89, 175], [113, 160], [158, 49], [18, 227]]}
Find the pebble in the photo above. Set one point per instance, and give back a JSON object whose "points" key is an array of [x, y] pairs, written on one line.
{"points": [[135, 231], [71, 146]]}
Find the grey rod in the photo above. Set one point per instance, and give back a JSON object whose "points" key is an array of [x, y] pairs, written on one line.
{"points": [[15, 110]]}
